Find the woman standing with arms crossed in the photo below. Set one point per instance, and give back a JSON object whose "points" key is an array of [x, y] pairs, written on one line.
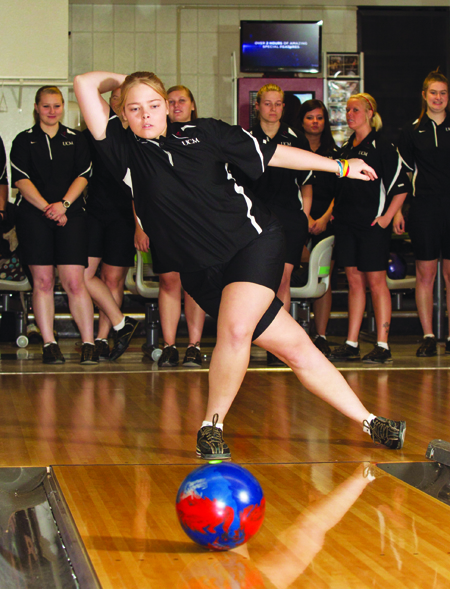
{"points": [[363, 225], [230, 253], [182, 109], [316, 127], [50, 166], [424, 146]]}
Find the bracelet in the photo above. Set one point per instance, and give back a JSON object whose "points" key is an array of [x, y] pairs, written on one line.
{"points": [[344, 168]]}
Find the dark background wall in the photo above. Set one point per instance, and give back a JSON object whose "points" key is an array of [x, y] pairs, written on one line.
{"points": [[401, 46]]}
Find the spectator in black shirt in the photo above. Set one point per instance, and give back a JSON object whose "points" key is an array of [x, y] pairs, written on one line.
{"points": [[229, 252], [50, 167], [182, 109], [316, 127], [112, 234], [363, 225], [287, 193], [424, 146]]}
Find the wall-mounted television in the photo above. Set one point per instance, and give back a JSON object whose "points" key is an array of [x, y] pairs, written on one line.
{"points": [[281, 46]]}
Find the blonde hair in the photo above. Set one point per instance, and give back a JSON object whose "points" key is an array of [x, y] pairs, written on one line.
{"points": [[370, 104], [45, 90], [434, 76], [268, 88], [147, 78], [181, 88]]}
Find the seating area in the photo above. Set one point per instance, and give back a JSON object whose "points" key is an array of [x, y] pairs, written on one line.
{"points": [[142, 283]]}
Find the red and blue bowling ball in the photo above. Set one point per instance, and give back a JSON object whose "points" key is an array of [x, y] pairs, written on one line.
{"points": [[396, 267], [220, 506]]}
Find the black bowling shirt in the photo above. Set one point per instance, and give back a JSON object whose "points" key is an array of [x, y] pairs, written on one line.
{"points": [[107, 196], [281, 186], [186, 198], [3, 168], [426, 152], [358, 202], [324, 187], [51, 163]]}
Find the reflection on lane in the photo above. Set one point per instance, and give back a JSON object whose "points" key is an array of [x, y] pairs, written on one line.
{"points": [[32, 555]]}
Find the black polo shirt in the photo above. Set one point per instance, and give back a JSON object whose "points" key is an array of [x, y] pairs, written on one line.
{"points": [[280, 187], [425, 150], [107, 196], [360, 203], [324, 186], [51, 163], [185, 196], [3, 168]]}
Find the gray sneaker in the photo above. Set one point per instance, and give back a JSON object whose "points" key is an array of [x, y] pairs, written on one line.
{"points": [[387, 432], [210, 442]]}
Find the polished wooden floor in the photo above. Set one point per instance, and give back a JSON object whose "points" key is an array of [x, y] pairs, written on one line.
{"points": [[121, 438]]}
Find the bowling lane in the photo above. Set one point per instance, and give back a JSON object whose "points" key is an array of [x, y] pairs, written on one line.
{"points": [[153, 418], [327, 525]]}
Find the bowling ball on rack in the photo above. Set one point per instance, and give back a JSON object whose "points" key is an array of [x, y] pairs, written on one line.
{"points": [[396, 269], [220, 505]]}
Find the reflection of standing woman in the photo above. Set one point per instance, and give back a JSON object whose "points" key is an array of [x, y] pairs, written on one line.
{"points": [[362, 220], [50, 166], [316, 127], [425, 148], [279, 188], [182, 109]]}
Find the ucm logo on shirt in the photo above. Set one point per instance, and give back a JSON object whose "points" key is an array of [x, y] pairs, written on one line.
{"points": [[190, 141]]}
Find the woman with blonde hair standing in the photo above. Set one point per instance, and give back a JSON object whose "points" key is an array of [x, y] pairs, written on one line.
{"points": [[50, 166], [424, 146], [182, 109], [363, 215]]}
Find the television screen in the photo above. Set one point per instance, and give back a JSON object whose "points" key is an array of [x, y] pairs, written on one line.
{"points": [[281, 46]]}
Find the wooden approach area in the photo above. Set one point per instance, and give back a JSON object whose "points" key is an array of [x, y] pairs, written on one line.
{"points": [[121, 438]]}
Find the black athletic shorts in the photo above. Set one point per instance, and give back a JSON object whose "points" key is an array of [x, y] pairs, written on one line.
{"points": [[428, 226], [261, 262], [295, 226], [43, 243], [112, 239], [295, 241], [367, 248], [158, 265]]}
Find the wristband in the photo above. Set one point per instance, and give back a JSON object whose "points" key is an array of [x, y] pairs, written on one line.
{"points": [[344, 168]]}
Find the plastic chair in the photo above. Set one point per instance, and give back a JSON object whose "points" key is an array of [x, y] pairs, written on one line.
{"points": [[136, 283], [317, 285], [17, 306]]}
